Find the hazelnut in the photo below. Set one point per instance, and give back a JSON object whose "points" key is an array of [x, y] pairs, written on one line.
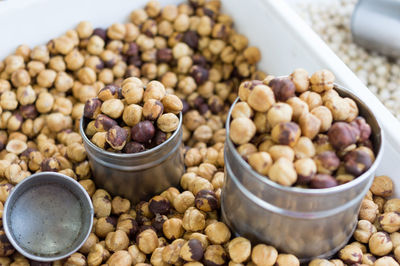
{"points": [[136, 255], [310, 125], [206, 200], [342, 135], [6, 249], [305, 169], [132, 114], [112, 108], [242, 130], [351, 254], [357, 162], [390, 221], [380, 244], [168, 122], [392, 205], [184, 200], [193, 220], [120, 205], [117, 240], [382, 186], [283, 88], [152, 109], [353, 109], [368, 259], [261, 98], [109, 92], [239, 249], [172, 228], [312, 99], [286, 133], [159, 204], [287, 259], [92, 108], [147, 241], [325, 117], [322, 80], [304, 148], [364, 231], [116, 137], [368, 210], [340, 108], [327, 162], [264, 255], [143, 131], [192, 250], [218, 233], [246, 88], [242, 109], [279, 112], [104, 123], [120, 258], [323, 181], [172, 104], [215, 255], [154, 90], [300, 79], [363, 127], [386, 261], [16, 146], [282, 171], [261, 162], [132, 90], [299, 107]]}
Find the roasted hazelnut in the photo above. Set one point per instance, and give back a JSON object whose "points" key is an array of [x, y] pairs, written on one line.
{"points": [[382, 186], [120, 205], [132, 114], [368, 210], [340, 108], [16, 146], [264, 255], [322, 80], [152, 109], [304, 148], [92, 108], [390, 221], [117, 240], [283, 88], [323, 181], [380, 244], [154, 90], [300, 79], [99, 139], [120, 258], [350, 254], [218, 233], [112, 108], [282, 171], [192, 250], [368, 259], [320, 262], [327, 162], [75, 259], [193, 220], [392, 205], [136, 255], [239, 249], [357, 162], [386, 261], [143, 131], [279, 113], [172, 104], [242, 130], [6, 249], [325, 117], [147, 241], [184, 200], [215, 255], [242, 109], [168, 122], [261, 162], [260, 98], [299, 107], [104, 123], [305, 169], [364, 231], [342, 135], [363, 127], [286, 133], [109, 92], [159, 204], [288, 259], [206, 200]]}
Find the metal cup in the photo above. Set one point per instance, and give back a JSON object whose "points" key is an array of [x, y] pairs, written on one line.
{"points": [[308, 223], [137, 176], [48, 216]]}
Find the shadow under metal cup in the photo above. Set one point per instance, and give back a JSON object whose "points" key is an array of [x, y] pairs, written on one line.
{"points": [[308, 223], [137, 176], [48, 216]]}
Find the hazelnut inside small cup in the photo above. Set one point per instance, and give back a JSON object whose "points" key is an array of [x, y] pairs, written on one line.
{"points": [[300, 131]]}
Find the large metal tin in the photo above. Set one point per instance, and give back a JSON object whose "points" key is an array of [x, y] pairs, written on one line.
{"points": [[306, 222], [375, 25], [137, 176], [48, 216]]}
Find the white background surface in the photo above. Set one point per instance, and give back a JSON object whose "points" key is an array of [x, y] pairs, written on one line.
{"points": [[285, 41]]}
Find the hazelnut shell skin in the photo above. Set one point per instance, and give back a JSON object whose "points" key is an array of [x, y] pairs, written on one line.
{"points": [[342, 135], [323, 181]]}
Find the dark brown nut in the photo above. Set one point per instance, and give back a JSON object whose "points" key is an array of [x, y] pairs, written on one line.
{"points": [[283, 88], [279, 113], [310, 125], [342, 135], [242, 130], [382, 186], [112, 108], [134, 147], [92, 108], [199, 74], [390, 221], [143, 131], [323, 181], [160, 205], [120, 258], [192, 250], [304, 148], [109, 92], [6, 249], [386, 261], [264, 255], [289, 260], [380, 244], [351, 254], [215, 255], [322, 80], [283, 172], [104, 123], [368, 210], [164, 55], [147, 241], [260, 98], [364, 231], [286, 133], [357, 162], [305, 169], [327, 162], [172, 228], [193, 220], [300, 79], [116, 137], [206, 200], [172, 104], [261, 162], [239, 249], [168, 122], [117, 240], [152, 109], [363, 127], [28, 111]]}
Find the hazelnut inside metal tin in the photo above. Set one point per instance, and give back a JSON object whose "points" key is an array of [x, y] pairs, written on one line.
{"points": [[48, 216]]}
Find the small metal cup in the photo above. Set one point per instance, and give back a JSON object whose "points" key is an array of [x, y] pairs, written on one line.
{"points": [[308, 223], [137, 176], [48, 216]]}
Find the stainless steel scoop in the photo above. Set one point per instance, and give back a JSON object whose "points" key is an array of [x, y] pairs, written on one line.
{"points": [[48, 216], [375, 24]]}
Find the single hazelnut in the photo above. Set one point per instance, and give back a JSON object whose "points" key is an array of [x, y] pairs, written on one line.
{"points": [[242, 109], [143, 131], [286, 133], [193, 220], [283, 88], [192, 250], [300, 79], [304, 148], [342, 135], [261, 162], [323, 181], [325, 117], [206, 200], [289, 260], [261, 98], [299, 107], [351, 254], [109, 92], [327, 162], [382, 186], [310, 125], [147, 241], [264, 255], [159, 204], [279, 113], [239, 249], [242, 130], [390, 221], [104, 123], [117, 240], [152, 109], [357, 162], [368, 210], [380, 244], [172, 104], [116, 137], [215, 255], [386, 261], [305, 169], [364, 231], [283, 172], [322, 80]]}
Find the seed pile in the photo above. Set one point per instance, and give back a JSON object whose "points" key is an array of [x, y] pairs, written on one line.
{"points": [[331, 20], [149, 117], [300, 131], [195, 53]]}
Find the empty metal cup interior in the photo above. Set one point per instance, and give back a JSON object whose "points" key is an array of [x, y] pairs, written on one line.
{"points": [[48, 216]]}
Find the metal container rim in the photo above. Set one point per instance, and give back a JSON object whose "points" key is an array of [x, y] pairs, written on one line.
{"points": [[310, 191], [128, 155], [57, 177]]}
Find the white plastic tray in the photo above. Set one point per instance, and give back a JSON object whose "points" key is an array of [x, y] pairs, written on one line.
{"points": [[285, 40]]}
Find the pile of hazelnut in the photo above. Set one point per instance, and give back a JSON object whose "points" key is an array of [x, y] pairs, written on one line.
{"points": [[194, 51], [130, 118], [298, 130]]}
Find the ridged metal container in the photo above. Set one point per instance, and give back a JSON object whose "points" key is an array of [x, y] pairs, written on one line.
{"points": [[308, 223], [375, 24], [137, 176], [48, 216]]}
